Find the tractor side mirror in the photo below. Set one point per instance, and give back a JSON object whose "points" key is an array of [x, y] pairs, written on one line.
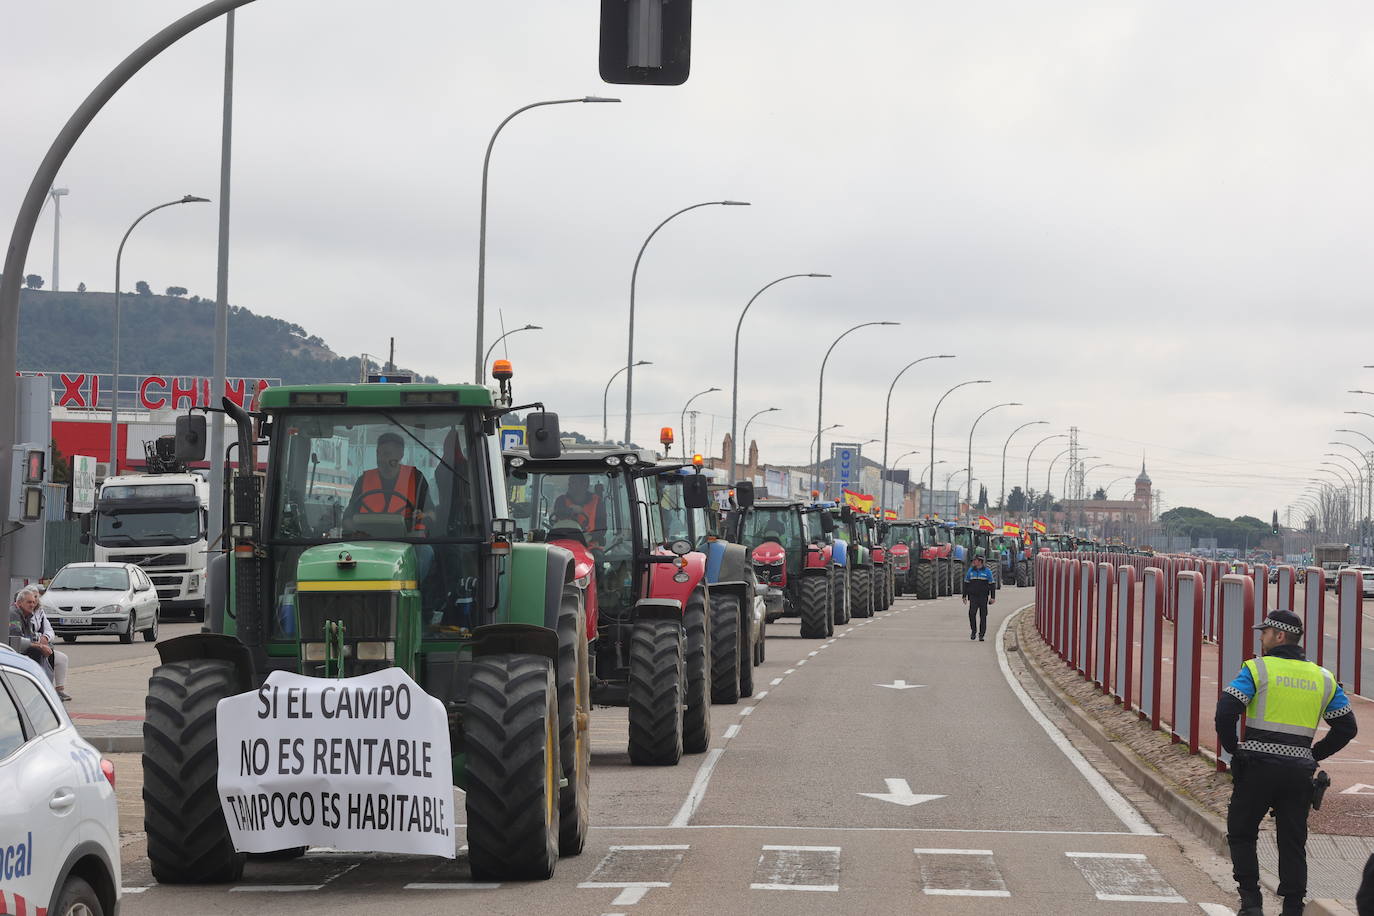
{"points": [[744, 494], [846, 513], [542, 436], [190, 438], [827, 522], [694, 492]]}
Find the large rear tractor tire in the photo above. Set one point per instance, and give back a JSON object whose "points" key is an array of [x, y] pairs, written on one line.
{"points": [[814, 607], [188, 840], [513, 770], [1022, 574], [696, 717], [925, 580], [574, 711], [728, 653], [657, 686], [943, 586], [861, 591], [957, 575]]}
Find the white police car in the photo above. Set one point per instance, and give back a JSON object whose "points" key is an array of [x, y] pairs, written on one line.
{"points": [[59, 827]]}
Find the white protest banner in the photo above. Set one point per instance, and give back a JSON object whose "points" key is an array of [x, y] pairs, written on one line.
{"points": [[358, 763]]}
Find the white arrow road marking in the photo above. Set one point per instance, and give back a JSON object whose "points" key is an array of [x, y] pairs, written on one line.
{"points": [[899, 793], [1358, 788], [900, 685]]}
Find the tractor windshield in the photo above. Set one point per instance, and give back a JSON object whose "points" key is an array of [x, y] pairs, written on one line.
{"points": [[963, 537], [900, 534], [782, 524], [679, 522], [395, 475]]}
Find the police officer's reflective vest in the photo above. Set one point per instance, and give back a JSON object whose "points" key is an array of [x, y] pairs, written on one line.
{"points": [[1290, 696], [398, 499]]}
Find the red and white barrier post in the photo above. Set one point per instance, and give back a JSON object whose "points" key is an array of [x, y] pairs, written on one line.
{"points": [[1151, 644], [1237, 625], [1187, 656], [1314, 612], [1350, 632], [1124, 668], [1102, 641]]}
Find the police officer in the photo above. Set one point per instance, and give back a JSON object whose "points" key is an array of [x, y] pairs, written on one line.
{"points": [[980, 589], [1284, 697]]}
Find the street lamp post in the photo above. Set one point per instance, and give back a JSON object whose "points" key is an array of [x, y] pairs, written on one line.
{"points": [[820, 393], [57, 194], [932, 482], [1355, 480], [1050, 470], [1369, 478], [605, 425], [1002, 500], [114, 382], [887, 416], [529, 327], [682, 422], [634, 278], [479, 373], [815, 447], [933, 413], [1364, 477], [1031, 454], [951, 475], [970, 441], [746, 433], [734, 383]]}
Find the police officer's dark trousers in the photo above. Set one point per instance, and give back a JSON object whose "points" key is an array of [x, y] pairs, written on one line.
{"points": [[1288, 791], [978, 614]]}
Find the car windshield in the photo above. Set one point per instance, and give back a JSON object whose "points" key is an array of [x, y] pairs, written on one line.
{"points": [[766, 523], [397, 475], [116, 527], [90, 578]]}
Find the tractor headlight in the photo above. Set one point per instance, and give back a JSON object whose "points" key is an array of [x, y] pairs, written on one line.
{"points": [[315, 651], [613, 460], [680, 547], [631, 459], [376, 651]]}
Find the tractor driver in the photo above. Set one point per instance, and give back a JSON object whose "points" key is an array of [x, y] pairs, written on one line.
{"points": [[583, 506], [391, 488]]}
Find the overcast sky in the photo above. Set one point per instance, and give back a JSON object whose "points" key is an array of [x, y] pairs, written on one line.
{"points": [[1150, 220]]}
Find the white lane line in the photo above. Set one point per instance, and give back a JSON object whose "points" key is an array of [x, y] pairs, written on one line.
{"points": [[630, 896], [746, 710], [133, 890], [1216, 909], [761, 694], [960, 873], [1105, 855], [882, 829], [798, 868], [274, 888], [800, 663], [731, 732], [612, 885], [789, 670], [1124, 810], [775, 682], [698, 790], [813, 653], [450, 886]]}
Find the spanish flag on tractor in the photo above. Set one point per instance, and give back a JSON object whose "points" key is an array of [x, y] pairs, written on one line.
{"points": [[985, 524], [1039, 526], [890, 515], [859, 502], [1011, 528]]}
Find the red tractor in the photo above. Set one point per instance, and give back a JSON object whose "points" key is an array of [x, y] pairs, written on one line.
{"points": [[791, 558], [648, 605]]}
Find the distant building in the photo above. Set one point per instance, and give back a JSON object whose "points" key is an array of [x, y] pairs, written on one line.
{"points": [[1124, 518]]}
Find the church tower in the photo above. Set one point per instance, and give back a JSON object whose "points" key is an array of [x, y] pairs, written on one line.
{"points": [[1143, 485]]}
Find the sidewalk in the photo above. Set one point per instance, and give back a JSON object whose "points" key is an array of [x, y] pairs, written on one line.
{"points": [[107, 703], [1342, 835]]}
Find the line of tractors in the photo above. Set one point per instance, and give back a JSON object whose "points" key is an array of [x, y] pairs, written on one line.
{"points": [[520, 587]]}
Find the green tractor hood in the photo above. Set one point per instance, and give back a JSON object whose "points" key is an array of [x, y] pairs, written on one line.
{"points": [[383, 566]]}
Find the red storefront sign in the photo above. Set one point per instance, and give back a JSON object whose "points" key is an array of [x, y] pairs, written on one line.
{"points": [[155, 392]]}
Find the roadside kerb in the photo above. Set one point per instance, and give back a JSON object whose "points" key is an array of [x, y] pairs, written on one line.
{"points": [[1209, 827]]}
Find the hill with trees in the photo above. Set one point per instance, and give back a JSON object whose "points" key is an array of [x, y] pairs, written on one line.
{"points": [[170, 334]]}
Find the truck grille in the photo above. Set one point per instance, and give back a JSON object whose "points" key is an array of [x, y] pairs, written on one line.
{"points": [[151, 559]]}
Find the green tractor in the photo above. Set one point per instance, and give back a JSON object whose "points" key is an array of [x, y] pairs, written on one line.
{"points": [[381, 520], [863, 586]]}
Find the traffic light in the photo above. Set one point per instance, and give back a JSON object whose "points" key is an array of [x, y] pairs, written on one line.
{"points": [[29, 465]]}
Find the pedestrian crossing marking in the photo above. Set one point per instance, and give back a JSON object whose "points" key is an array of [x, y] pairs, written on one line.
{"points": [[960, 873], [1124, 877], [637, 866], [798, 868]]}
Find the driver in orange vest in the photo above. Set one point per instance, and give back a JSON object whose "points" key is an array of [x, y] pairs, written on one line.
{"points": [[581, 505], [390, 488]]}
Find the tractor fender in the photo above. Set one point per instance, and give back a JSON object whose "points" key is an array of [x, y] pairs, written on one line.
{"points": [[216, 592], [860, 556], [839, 552], [534, 586], [731, 563], [959, 553], [504, 638], [584, 578], [817, 557], [211, 645], [657, 609], [663, 582], [878, 554]]}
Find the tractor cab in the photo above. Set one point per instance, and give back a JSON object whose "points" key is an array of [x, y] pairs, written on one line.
{"points": [[790, 547]]}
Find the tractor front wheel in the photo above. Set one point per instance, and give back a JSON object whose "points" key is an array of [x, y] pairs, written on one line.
{"points": [[1022, 574], [728, 656], [513, 770], [656, 692], [925, 580], [839, 598], [188, 839], [696, 717], [815, 609], [861, 591], [574, 711], [943, 584], [957, 575]]}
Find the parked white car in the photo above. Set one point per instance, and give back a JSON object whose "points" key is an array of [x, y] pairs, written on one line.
{"points": [[59, 825], [102, 599]]}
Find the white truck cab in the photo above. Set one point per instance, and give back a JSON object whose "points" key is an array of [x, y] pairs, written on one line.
{"points": [[159, 522]]}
